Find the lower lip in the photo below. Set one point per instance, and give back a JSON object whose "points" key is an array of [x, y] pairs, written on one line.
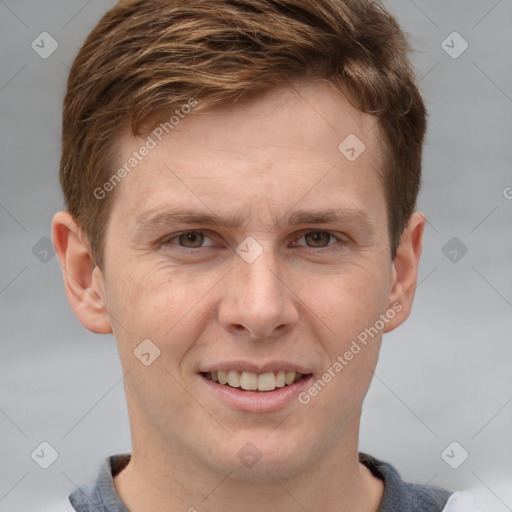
{"points": [[257, 401]]}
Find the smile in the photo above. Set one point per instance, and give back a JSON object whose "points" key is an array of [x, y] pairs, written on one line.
{"points": [[250, 381]]}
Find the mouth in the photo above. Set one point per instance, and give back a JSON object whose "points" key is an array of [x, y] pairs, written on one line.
{"points": [[259, 382]]}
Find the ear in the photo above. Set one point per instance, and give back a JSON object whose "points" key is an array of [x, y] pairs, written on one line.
{"points": [[83, 280], [405, 271]]}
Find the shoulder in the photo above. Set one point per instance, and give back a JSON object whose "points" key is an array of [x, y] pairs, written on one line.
{"points": [[405, 496]]}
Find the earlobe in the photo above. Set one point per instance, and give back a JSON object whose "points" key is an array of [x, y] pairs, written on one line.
{"points": [[83, 280], [405, 270]]}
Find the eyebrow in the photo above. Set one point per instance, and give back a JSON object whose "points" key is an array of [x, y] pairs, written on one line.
{"points": [[163, 217], [345, 215], [159, 217]]}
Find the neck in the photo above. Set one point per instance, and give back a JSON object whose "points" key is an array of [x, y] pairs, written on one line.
{"points": [[172, 480]]}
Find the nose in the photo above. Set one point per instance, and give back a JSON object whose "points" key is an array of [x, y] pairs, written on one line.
{"points": [[257, 301]]}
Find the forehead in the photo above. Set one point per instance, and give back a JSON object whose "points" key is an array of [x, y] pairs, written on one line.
{"points": [[284, 147]]}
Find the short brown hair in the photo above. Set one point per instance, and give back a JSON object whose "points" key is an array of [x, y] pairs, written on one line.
{"points": [[149, 57]]}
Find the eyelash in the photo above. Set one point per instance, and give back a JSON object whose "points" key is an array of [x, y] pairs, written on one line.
{"points": [[171, 240]]}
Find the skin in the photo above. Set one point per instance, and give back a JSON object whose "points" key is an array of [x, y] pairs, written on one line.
{"points": [[303, 300]]}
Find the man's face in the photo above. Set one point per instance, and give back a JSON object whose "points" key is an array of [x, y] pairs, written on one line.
{"points": [[247, 241]]}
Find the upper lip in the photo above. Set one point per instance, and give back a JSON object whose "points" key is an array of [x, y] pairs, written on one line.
{"points": [[251, 366]]}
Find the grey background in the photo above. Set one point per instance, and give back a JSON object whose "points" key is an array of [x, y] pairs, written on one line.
{"points": [[444, 376]]}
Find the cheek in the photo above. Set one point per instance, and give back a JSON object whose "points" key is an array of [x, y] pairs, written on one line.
{"points": [[352, 304], [347, 302], [165, 306]]}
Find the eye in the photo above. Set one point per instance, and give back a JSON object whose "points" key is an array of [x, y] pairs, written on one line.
{"points": [[317, 239], [189, 240]]}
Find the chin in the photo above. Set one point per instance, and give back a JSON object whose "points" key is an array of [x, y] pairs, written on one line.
{"points": [[265, 457]]}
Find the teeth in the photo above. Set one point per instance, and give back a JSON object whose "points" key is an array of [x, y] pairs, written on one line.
{"points": [[280, 379], [266, 381], [249, 381], [290, 377], [252, 381], [233, 378]]}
